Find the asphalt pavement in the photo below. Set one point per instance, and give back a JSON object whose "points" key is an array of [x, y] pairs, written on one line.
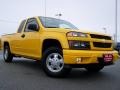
{"points": [[25, 74]]}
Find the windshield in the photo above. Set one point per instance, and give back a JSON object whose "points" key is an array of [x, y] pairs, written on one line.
{"points": [[48, 22]]}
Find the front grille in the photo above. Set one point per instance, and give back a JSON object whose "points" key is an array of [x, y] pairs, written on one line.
{"points": [[102, 45], [100, 36]]}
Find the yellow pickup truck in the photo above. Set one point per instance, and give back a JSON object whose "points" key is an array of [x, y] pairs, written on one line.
{"points": [[59, 45]]}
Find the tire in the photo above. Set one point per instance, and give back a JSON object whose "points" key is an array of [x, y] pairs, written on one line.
{"points": [[53, 63], [7, 55], [119, 51], [94, 68]]}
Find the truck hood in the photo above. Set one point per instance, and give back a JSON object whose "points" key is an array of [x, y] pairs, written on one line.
{"points": [[62, 30]]}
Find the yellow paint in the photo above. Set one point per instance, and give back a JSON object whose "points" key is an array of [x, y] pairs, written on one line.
{"points": [[31, 45], [87, 57]]}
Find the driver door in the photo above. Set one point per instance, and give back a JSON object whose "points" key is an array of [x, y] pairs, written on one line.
{"points": [[31, 39]]}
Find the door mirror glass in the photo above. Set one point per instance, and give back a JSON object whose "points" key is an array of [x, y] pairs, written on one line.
{"points": [[33, 27]]}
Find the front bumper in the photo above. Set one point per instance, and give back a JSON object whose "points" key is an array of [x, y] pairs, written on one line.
{"points": [[86, 56]]}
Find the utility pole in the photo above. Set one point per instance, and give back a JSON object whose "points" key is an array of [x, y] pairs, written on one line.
{"points": [[45, 8], [116, 17]]}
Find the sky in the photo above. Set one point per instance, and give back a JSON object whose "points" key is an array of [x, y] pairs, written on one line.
{"points": [[89, 15]]}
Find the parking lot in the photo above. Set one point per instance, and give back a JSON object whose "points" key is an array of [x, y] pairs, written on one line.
{"points": [[24, 74]]}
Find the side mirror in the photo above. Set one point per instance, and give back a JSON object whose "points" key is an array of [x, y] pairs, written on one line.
{"points": [[33, 27]]}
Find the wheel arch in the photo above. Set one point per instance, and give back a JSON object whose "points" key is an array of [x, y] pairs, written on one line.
{"points": [[6, 43], [51, 43]]}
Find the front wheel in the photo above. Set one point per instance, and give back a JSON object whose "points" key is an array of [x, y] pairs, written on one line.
{"points": [[7, 55], [53, 63]]}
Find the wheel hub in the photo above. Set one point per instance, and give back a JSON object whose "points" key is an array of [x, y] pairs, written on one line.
{"points": [[55, 62], [6, 53]]}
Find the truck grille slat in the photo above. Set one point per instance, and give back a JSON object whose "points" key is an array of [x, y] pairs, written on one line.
{"points": [[100, 36], [102, 45]]}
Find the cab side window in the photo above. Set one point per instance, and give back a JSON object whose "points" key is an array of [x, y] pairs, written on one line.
{"points": [[21, 26], [31, 25]]}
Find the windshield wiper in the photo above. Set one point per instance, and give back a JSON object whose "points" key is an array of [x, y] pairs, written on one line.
{"points": [[67, 28], [52, 27]]}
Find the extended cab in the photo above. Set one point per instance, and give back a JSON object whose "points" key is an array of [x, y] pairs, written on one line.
{"points": [[59, 46]]}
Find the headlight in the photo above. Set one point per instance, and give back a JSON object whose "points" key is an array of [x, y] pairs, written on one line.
{"points": [[76, 34], [80, 45]]}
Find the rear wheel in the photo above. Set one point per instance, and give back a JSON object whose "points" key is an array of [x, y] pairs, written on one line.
{"points": [[53, 63], [94, 68], [7, 55]]}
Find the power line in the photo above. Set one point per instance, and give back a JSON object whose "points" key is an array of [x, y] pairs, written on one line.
{"points": [[8, 21]]}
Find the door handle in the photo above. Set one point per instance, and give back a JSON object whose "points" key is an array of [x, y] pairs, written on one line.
{"points": [[23, 35]]}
